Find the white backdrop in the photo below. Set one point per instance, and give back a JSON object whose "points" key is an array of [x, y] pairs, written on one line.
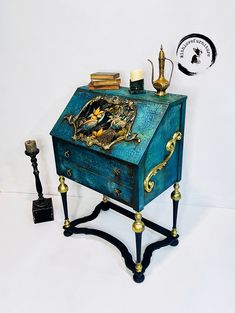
{"points": [[48, 48]]}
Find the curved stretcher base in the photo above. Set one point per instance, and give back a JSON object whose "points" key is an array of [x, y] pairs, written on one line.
{"points": [[130, 264]]}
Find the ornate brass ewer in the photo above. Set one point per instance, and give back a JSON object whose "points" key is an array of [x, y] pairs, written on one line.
{"points": [[161, 84]]}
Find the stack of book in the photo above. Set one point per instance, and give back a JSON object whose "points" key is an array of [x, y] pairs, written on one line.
{"points": [[102, 80]]}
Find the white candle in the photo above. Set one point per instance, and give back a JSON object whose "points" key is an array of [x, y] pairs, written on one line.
{"points": [[30, 146], [137, 75]]}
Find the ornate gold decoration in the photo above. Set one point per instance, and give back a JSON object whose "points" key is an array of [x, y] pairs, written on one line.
{"points": [[104, 121], [69, 172], [105, 199], [117, 171], [174, 232], [138, 267], [67, 154], [117, 192], [138, 225], [161, 84], [170, 147], [176, 195], [66, 223], [62, 186]]}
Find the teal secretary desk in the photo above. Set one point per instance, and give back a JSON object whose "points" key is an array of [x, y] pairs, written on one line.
{"points": [[128, 148]]}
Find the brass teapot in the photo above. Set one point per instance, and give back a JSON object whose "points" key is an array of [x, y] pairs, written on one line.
{"points": [[161, 84]]}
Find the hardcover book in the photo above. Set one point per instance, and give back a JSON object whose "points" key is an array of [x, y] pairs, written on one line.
{"points": [[109, 82], [111, 87], [104, 75]]}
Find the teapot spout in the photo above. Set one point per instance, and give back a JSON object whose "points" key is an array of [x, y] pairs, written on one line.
{"points": [[152, 70]]}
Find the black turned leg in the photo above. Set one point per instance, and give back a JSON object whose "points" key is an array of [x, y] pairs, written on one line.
{"points": [[138, 240], [63, 188], [138, 228], [175, 196]]}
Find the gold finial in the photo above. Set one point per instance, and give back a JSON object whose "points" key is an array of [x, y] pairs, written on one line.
{"points": [[138, 267], [62, 186], [105, 199], [176, 195], [66, 223], [138, 225]]}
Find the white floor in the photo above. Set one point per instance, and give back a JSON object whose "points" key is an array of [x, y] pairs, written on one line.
{"points": [[42, 271]]}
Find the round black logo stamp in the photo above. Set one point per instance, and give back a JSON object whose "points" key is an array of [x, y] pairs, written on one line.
{"points": [[195, 53]]}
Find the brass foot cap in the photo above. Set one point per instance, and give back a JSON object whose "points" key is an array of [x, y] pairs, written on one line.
{"points": [[105, 199], [174, 232], [66, 223]]}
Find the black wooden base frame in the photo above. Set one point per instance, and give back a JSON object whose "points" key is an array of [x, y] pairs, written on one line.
{"points": [[130, 264]]}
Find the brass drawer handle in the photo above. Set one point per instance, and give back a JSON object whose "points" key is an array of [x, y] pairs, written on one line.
{"points": [[116, 172], [170, 147], [67, 154], [69, 172], [117, 192]]}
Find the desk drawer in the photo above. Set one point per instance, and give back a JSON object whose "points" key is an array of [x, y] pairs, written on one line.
{"points": [[99, 164], [99, 183]]}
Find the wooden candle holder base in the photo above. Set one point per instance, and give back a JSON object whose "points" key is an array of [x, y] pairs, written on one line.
{"points": [[42, 210]]}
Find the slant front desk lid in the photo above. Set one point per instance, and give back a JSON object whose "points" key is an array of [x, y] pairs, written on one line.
{"points": [[113, 122]]}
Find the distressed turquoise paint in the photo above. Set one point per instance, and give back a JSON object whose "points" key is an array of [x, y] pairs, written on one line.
{"points": [[150, 111], [97, 163], [100, 183], [149, 96], [156, 121], [182, 126], [157, 152]]}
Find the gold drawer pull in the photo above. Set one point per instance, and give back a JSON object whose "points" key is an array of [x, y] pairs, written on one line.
{"points": [[69, 172], [117, 192], [116, 171], [67, 154], [170, 147]]}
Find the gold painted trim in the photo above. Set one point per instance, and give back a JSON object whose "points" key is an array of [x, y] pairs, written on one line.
{"points": [[66, 223], [138, 225], [170, 147], [63, 188], [125, 133], [138, 267], [176, 195], [105, 199], [174, 232]]}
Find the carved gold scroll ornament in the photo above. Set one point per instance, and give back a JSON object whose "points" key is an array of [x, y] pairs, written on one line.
{"points": [[170, 147]]}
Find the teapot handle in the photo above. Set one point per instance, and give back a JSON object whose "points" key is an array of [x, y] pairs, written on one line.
{"points": [[172, 68]]}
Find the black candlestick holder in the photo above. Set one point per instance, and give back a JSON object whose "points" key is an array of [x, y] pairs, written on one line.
{"points": [[42, 208]]}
